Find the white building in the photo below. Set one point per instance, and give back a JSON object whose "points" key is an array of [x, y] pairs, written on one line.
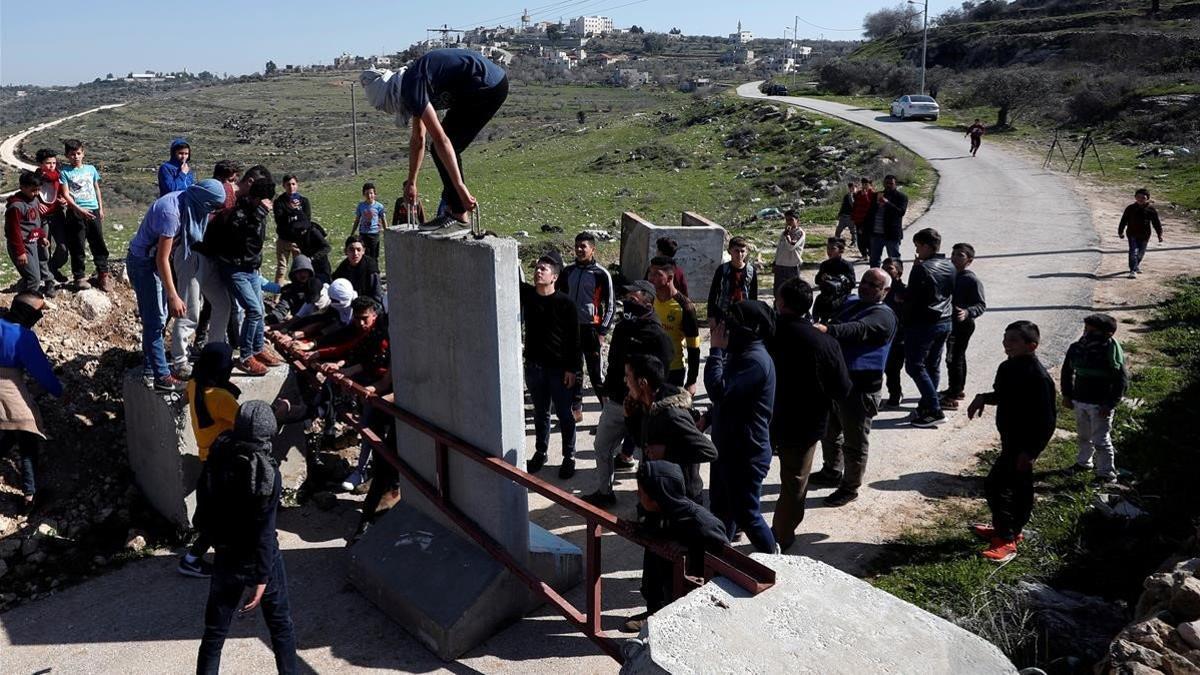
{"points": [[741, 37], [591, 25]]}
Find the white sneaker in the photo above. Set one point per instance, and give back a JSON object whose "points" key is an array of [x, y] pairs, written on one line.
{"points": [[352, 481], [1132, 274]]}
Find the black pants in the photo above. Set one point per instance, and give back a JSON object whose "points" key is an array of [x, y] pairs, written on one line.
{"points": [[864, 240], [59, 255], [27, 449], [956, 355], [546, 388], [462, 123], [370, 243], [80, 230], [1009, 494], [225, 597], [589, 342], [895, 366]]}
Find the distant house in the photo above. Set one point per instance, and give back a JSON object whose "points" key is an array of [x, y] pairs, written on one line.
{"points": [[591, 25], [630, 77], [606, 60]]}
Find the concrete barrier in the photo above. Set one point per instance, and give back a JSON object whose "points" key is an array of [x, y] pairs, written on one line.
{"points": [[456, 362], [816, 619], [701, 248], [162, 448]]}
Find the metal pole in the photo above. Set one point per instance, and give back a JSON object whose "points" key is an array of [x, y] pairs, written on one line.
{"points": [[924, 45], [795, 64], [354, 126]]}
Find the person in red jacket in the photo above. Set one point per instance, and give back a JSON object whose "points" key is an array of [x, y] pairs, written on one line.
{"points": [[54, 205], [28, 246], [863, 200]]}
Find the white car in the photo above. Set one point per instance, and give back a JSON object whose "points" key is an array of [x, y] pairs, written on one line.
{"points": [[915, 105]]}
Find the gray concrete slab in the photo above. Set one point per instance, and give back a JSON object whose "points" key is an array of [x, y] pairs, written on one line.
{"points": [[816, 620], [701, 245], [162, 448]]}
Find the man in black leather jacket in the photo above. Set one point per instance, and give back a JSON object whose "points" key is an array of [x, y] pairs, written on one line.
{"points": [[928, 310]]}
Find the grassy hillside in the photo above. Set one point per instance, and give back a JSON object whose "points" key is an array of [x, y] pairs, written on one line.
{"points": [[567, 157]]}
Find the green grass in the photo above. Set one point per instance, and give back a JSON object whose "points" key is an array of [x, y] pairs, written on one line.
{"points": [[937, 566]]}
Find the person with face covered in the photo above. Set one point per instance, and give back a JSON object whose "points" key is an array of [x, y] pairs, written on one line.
{"points": [[21, 354], [175, 174], [639, 332], [669, 513], [739, 377]]}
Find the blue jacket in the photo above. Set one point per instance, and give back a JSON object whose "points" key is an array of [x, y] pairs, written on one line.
{"points": [[170, 176], [20, 349], [742, 388]]}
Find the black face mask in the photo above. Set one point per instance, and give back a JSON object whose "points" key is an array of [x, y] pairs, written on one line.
{"points": [[23, 314], [635, 311]]}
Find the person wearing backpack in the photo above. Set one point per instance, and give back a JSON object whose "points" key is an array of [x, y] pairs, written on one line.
{"points": [[236, 502]]}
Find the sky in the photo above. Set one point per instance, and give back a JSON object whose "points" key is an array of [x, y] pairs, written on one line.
{"points": [[240, 36]]}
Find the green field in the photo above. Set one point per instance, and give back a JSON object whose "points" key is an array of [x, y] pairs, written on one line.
{"points": [[564, 156]]}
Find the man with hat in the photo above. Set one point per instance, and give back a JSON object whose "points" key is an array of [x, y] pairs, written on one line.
{"points": [[552, 355], [639, 332]]}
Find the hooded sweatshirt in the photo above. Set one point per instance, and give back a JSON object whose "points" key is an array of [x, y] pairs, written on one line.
{"points": [[22, 223], [212, 397], [741, 383], [171, 177], [239, 515], [679, 517], [668, 422], [178, 214], [302, 297]]}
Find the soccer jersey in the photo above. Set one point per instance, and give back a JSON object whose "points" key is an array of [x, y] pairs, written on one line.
{"points": [[678, 319]]}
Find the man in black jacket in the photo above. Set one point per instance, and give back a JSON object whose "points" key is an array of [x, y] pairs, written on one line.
{"points": [[886, 221], [552, 356], [289, 207], [658, 416], [639, 332], [235, 509], [1025, 417], [864, 329], [810, 376], [968, 306], [928, 306], [235, 240]]}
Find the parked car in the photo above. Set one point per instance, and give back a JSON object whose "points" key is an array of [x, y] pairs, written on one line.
{"points": [[776, 90], [915, 105]]}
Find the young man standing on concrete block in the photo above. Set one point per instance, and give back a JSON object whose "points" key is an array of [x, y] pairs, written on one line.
{"points": [[740, 378], [590, 287], [552, 357], [639, 332], [811, 376]]}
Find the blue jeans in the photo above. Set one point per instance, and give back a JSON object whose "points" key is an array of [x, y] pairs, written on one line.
{"points": [[736, 496], [1137, 251], [877, 245], [225, 597], [923, 346], [247, 293], [147, 287], [546, 387]]}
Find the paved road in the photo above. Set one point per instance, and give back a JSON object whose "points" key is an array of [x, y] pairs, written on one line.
{"points": [[10, 145], [1035, 243]]}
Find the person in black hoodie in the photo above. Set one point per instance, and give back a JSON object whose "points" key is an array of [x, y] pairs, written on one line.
{"points": [[639, 332], [928, 308], [360, 270], [658, 416], [895, 361], [886, 221], [312, 241], [740, 378], [968, 306], [811, 376], [235, 240], [236, 503], [301, 297], [288, 208], [552, 356], [1026, 413], [671, 514]]}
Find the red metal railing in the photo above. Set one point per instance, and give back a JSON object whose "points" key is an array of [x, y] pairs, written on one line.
{"points": [[745, 572]]}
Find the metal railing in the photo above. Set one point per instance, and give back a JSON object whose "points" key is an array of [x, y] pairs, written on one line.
{"points": [[745, 572]]}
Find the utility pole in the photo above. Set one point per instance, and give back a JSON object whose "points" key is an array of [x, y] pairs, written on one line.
{"points": [[795, 62], [924, 40], [354, 126]]}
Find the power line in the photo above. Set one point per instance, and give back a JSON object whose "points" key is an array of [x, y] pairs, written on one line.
{"points": [[552, 7], [837, 30]]}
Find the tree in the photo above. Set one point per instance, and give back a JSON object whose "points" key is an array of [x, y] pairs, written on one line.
{"points": [[1009, 89], [108, 77], [889, 21], [675, 31], [636, 30], [205, 75], [654, 42], [554, 31], [270, 69]]}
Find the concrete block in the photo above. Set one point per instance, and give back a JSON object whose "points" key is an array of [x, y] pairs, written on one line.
{"points": [[554, 559], [162, 448], [701, 247], [816, 619]]}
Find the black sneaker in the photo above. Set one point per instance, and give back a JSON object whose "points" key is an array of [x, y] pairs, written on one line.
{"points": [[892, 401], [602, 499], [567, 469], [634, 623], [623, 462], [200, 569], [929, 420], [49, 290], [840, 497], [443, 226], [825, 478], [536, 462], [169, 384]]}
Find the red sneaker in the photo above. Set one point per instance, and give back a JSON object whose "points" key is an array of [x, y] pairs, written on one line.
{"points": [[252, 367], [987, 532], [1001, 550], [267, 359]]}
